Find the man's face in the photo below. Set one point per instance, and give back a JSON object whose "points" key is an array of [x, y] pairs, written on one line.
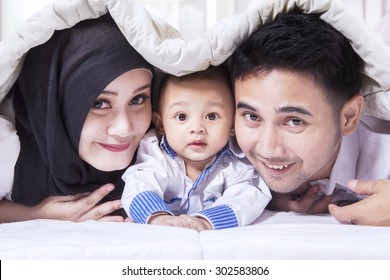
{"points": [[286, 128]]}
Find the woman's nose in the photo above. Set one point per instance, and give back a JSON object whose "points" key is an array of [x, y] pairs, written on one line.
{"points": [[120, 126]]}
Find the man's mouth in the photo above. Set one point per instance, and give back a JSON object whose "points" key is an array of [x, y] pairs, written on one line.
{"points": [[277, 166]]}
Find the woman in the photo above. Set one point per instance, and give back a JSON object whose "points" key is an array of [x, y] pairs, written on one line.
{"points": [[82, 104]]}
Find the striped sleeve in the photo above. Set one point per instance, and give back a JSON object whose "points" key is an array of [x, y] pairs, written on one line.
{"points": [[221, 216], [145, 204]]}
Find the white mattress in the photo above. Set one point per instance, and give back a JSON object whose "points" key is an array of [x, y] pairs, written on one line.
{"points": [[275, 236]]}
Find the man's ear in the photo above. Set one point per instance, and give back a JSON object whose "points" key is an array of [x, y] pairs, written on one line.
{"points": [[350, 114], [156, 118]]}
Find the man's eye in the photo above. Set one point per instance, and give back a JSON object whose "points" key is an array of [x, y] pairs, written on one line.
{"points": [[251, 117], [181, 117], [294, 122], [101, 104], [211, 117], [139, 99]]}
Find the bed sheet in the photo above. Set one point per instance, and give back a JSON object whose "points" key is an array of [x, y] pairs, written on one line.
{"points": [[92, 240], [274, 236], [286, 236]]}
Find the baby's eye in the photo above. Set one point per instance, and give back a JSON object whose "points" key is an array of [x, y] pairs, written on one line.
{"points": [[181, 117], [251, 117], [139, 99], [211, 116], [101, 104]]}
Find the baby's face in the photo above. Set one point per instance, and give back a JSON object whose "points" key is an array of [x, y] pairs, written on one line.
{"points": [[197, 117]]}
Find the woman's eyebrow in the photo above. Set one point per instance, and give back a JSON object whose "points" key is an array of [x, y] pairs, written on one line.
{"points": [[143, 87], [111, 92]]}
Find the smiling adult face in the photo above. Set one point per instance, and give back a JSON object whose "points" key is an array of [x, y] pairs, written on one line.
{"points": [[117, 121], [286, 128]]}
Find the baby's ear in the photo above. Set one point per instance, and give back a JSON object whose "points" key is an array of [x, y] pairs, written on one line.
{"points": [[156, 118], [232, 132]]}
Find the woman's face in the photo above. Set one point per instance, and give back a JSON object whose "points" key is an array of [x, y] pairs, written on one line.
{"points": [[117, 121]]}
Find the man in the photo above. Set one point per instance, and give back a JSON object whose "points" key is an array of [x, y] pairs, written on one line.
{"points": [[297, 85]]}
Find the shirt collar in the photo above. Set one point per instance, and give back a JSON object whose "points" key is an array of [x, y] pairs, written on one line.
{"points": [[165, 147]]}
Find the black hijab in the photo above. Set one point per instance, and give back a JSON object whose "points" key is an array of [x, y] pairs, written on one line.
{"points": [[57, 86]]}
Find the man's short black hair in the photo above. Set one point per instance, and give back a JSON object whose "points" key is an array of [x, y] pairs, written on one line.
{"points": [[302, 43]]}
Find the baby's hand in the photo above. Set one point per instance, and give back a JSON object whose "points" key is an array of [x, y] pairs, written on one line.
{"points": [[196, 223], [164, 219], [183, 221]]}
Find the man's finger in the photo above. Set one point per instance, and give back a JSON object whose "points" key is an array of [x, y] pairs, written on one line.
{"points": [[364, 187], [303, 204], [321, 205], [345, 214]]}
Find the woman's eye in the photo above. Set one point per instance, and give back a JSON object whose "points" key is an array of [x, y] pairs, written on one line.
{"points": [[139, 99], [101, 104], [181, 117], [251, 117], [294, 122], [211, 117]]}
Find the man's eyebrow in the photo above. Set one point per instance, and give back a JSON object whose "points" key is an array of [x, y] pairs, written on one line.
{"points": [[293, 109], [281, 110], [243, 105]]}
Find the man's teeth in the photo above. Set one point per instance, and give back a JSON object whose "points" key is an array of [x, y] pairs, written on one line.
{"points": [[279, 167]]}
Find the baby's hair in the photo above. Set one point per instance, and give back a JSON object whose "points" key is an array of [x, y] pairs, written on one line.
{"points": [[217, 74]]}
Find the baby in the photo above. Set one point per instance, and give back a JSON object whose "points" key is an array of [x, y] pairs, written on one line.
{"points": [[189, 171]]}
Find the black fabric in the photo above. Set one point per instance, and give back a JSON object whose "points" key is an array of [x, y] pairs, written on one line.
{"points": [[57, 86]]}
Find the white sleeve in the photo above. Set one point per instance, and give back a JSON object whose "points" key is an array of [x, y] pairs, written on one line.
{"points": [[9, 150], [148, 174], [246, 195]]}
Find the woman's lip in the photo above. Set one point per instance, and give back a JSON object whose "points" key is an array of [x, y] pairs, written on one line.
{"points": [[115, 147]]}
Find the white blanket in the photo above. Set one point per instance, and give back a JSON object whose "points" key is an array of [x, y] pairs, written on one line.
{"points": [[275, 236]]}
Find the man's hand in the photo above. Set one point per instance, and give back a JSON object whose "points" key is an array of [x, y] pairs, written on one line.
{"points": [[373, 210], [301, 201]]}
